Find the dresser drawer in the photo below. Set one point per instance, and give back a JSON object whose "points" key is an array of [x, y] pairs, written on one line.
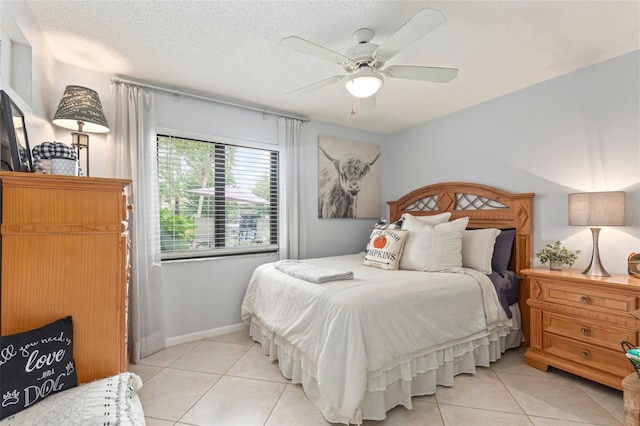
{"points": [[581, 353], [590, 298], [588, 331]]}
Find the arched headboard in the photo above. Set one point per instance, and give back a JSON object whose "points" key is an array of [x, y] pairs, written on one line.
{"points": [[486, 207]]}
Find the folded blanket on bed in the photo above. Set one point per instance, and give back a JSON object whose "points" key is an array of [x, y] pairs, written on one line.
{"points": [[312, 273]]}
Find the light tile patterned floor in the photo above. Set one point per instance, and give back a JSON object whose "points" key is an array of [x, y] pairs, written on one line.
{"points": [[227, 381]]}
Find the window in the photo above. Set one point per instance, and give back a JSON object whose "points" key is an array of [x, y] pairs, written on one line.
{"points": [[216, 199]]}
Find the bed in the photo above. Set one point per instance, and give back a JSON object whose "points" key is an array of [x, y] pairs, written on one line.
{"points": [[362, 346]]}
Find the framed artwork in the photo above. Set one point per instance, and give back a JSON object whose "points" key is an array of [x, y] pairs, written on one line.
{"points": [[15, 153], [348, 179]]}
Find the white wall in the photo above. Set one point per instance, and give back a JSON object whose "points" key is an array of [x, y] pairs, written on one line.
{"points": [[98, 142], [204, 295], [575, 133], [17, 22], [325, 237], [579, 132], [49, 79]]}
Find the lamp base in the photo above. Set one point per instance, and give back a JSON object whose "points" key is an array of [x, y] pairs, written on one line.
{"points": [[595, 267], [80, 141]]}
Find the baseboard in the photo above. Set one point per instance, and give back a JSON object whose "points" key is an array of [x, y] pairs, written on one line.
{"points": [[191, 337]]}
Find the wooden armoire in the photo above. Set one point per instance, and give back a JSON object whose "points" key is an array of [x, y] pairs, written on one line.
{"points": [[64, 250]]}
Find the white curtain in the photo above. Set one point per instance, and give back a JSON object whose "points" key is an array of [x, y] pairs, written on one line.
{"points": [[292, 242], [133, 141]]}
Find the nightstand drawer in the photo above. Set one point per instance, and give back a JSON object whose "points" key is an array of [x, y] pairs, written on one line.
{"points": [[582, 296], [588, 331], [580, 353]]}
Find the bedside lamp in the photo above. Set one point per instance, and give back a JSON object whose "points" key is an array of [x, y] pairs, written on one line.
{"points": [[80, 109], [596, 209]]}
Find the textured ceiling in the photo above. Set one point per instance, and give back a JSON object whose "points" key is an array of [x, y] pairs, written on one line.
{"points": [[230, 49]]}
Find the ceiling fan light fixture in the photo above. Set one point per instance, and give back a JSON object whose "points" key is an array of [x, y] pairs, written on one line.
{"points": [[364, 82]]}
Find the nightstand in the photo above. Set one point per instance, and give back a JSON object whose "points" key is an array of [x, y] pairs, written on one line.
{"points": [[578, 322]]}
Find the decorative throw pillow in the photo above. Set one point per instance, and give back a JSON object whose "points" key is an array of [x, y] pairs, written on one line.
{"points": [[34, 364], [385, 248], [433, 248], [382, 223], [435, 219], [477, 248], [502, 251]]}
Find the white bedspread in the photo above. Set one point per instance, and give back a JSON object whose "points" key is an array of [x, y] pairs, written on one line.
{"points": [[351, 330]]}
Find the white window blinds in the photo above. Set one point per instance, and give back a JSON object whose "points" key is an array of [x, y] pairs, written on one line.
{"points": [[215, 198]]}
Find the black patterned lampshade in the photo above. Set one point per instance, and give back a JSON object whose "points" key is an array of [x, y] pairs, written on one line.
{"points": [[81, 105]]}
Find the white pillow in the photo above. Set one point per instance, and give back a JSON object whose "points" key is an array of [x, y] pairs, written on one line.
{"points": [[384, 249], [433, 248], [430, 220], [477, 248]]}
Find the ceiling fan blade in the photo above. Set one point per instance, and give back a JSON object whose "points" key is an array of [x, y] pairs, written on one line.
{"points": [[304, 46], [315, 86], [368, 103], [425, 21], [438, 75]]}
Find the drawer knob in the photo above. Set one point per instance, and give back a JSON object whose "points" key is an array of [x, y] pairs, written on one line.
{"points": [[585, 330], [584, 298], [585, 353]]}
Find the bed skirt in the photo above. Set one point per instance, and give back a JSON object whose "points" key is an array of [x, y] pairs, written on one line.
{"points": [[399, 380]]}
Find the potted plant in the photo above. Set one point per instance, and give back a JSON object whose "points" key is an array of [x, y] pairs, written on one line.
{"points": [[557, 255]]}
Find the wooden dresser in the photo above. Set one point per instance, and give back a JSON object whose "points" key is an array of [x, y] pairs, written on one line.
{"points": [[578, 322], [65, 252]]}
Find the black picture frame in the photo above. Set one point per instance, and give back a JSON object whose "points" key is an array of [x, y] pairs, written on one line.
{"points": [[15, 153]]}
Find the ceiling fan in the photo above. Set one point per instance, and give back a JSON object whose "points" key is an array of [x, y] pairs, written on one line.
{"points": [[363, 62]]}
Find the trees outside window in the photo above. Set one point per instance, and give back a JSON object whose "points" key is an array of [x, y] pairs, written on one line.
{"points": [[216, 198]]}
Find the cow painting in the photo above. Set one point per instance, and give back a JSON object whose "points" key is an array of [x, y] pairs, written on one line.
{"points": [[341, 182]]}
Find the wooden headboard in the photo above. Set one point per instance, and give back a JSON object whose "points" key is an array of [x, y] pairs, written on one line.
{"points": [[486, 207]]}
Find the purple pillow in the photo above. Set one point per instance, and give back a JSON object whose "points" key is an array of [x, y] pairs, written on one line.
{"points": [[502, 250]]}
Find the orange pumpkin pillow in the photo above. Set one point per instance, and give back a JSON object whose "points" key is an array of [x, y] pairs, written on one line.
{"points": [[385, 248]]}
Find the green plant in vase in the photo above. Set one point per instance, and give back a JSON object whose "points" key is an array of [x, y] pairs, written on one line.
{"points": [[557, 255]]}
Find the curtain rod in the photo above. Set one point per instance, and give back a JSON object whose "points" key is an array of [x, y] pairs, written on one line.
{"points": [[216, 100]]}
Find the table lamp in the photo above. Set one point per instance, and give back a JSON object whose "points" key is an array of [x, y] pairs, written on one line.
{"points": [[596, 209], [80, 109]]}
